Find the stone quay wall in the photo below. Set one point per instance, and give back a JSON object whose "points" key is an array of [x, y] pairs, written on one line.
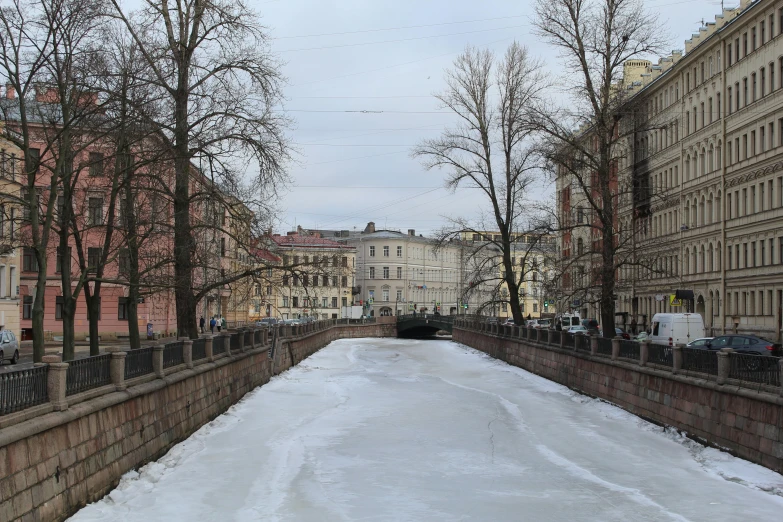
{"points": [[53, 464], [746, 422]]}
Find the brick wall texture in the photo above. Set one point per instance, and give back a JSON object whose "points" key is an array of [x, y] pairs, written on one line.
{"points": [[746, 423], [48, 474]]}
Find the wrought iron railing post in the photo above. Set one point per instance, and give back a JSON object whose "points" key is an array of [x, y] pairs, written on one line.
{"points": [[677, 358], [644, 353], [187, 353], [562, 340], [593, 344], [616, 347], [157, 360], [253, 338], [724, 363], [208, 347], [117, 367], [545, 340], [241, 336], [55, 384]]}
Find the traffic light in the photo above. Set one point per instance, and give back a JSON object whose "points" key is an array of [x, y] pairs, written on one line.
{"points": [[546, 304]]}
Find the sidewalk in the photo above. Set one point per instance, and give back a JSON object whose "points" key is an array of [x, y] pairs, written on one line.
{"points": [[82, 348]]}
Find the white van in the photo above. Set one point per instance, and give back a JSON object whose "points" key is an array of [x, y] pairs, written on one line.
{"points": [[672, 329]]}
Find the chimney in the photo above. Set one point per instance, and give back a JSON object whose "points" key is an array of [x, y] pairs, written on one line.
{"points": [[10, 92], [46, 94], [411, 232], [370, 228]]}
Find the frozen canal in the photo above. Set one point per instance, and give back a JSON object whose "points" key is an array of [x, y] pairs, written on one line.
{"points": [[388, 430]]}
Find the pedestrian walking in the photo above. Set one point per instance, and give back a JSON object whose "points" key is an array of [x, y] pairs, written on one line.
{"points": [[218, 323], [212, 324], [223, 322], [202, 323]]}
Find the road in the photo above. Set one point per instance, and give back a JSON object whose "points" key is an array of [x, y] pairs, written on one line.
{"points": [[392, 429]]}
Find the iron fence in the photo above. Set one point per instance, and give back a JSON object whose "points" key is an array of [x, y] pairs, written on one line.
{"points": [[88, 373], [629, 349], [199, 349], [761, 369], [218, 344], [234, 341], [138, 363], [660, 354], [581, 342], [604, 346], [173, 354], [249, 338], [554, 337], [702, 361], [259, 335], [22, 389]]}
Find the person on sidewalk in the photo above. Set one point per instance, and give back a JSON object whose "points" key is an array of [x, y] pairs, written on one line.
{"points": [[212, 325], [218, 323], [202, 323], [223, 322]]}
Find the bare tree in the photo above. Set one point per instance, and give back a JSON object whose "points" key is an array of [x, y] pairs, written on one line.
{"points": [[585, 140], [488, 150], [218, 86]]}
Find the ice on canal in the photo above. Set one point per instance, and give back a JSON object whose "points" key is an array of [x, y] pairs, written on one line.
{"points": [[388, 430]]}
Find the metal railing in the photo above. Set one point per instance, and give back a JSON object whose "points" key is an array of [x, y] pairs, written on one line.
{"points": [[88, 373], [660, 354], [761, 369], [248, 338], [235, 341], [629, 349], [138, 362], [23, 389], [219, 345], [554, 338], [701, 361], [259, 335], [582, 342], [199, 349], [173, 354], [604, 346]]}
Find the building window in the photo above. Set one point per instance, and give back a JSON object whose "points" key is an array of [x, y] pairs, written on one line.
{"points": [[295, 301], [372, 251], [334, 302], [96, 164], [372, 272], [325, 281], [344, 281], [399, 272], [96, 211], [399, 295], [386, 251], [93, 259], [59, 301], [27, 302], [285, 301], [399, 251], [386, 272], [29, 261], [122, 309], [385, 295]]}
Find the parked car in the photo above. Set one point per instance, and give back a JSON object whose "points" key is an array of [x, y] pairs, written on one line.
{"points": [[745, 344], [9, 347], [699, 343], [642, 336], [267, 321], [579, 329], [539, 323], [509, 322]]}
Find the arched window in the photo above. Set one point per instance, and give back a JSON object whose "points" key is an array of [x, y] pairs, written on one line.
{"points": [[718, 156], [718, 210], [702, 221], [710, 216], [687, 167], [703, 162], [711, 157], [711, 259], [719, 250], [693, 260], [687, 268]]}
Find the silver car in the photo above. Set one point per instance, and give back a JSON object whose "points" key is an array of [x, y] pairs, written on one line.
{"points": [[9, 347]]}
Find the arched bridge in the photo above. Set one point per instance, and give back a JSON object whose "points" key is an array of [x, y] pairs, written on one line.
{"points": [[423, 325]]}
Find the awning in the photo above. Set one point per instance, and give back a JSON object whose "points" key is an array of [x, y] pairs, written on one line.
{"points": [[684, 294]]}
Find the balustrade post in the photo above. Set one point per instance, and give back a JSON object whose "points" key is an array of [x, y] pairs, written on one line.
{"points": [[578, 339], [546, 336], [644, 353], [241, 335], [187, 353], [55, 381], [208, 347], [562, 339], [780, 366], [253, 338], [227, 343], [157, 360], [117, 367], [593, 344], [724, 362], [536, 334], [616, 347], [676, 358]]}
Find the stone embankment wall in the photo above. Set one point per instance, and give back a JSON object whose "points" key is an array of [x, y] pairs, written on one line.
{"points": [[53, 464], [746, 422]]}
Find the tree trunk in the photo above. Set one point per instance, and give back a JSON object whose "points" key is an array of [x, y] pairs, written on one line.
{"points": [[183, 238], [69, 345], [93, 315], [39, 349]]}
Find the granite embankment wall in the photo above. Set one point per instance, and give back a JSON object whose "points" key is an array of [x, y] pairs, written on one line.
{"points": [[55, 463], [746, 422]]}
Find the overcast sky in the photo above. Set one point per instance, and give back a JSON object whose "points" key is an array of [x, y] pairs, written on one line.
{"points": [[347, 56]]}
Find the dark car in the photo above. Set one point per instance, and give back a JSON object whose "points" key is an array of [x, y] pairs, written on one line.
{"points": [[751, 344]]}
